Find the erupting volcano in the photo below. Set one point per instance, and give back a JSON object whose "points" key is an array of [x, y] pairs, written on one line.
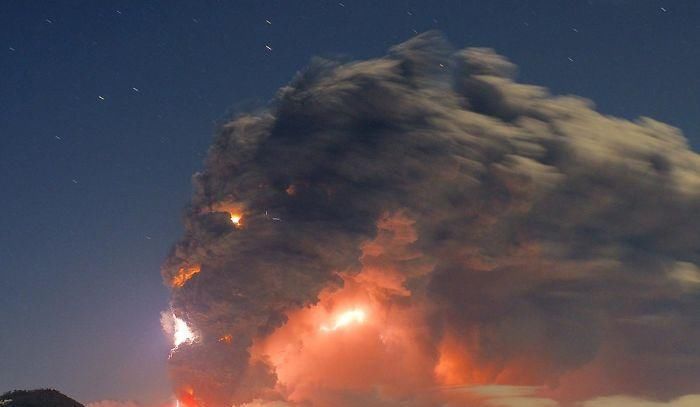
{"points": [[420, 230]]}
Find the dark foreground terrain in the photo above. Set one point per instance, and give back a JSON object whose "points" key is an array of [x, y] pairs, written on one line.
{"points": [[37, 398]]}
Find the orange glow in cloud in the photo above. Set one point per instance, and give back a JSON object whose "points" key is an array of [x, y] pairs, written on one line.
{"points": [[455, 365], [235, 212], [356, 316], [367, 335], [185, 398], [367, 344], [184, 274], [376, 335], [236, 219]]}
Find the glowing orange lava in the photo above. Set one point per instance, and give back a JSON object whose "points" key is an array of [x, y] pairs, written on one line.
{"points": [[184, 274]]}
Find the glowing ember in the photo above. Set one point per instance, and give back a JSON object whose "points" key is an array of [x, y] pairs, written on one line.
{"points": [[184, 274], [183, 333], [236, 219], [349, 317]]}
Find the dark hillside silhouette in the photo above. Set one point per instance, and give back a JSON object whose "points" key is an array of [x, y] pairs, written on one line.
{"points": [[37, 398]]}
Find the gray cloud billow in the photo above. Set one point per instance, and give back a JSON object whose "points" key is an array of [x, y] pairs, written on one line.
{"points": [[502, 235]]}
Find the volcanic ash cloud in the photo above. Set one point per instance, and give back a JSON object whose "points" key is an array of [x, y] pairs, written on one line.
{"points": [[414, 229]]}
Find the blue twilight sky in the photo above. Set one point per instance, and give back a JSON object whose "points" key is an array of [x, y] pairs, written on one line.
{"points": [[107, 108]]}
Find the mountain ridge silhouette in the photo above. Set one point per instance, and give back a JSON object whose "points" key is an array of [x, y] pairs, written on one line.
{"points": [[37, 398]]}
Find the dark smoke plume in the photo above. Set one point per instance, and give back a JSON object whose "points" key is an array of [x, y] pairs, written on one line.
{"points": [[530, 241]]}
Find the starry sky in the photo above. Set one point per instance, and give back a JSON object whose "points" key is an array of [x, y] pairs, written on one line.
{"points": [[107, 109]]}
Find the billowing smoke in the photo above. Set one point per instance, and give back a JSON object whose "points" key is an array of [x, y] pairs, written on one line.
{"points": [[421, 230]]}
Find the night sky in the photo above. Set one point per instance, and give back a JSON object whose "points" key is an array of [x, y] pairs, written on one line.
{"points": [[108, 108]]}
